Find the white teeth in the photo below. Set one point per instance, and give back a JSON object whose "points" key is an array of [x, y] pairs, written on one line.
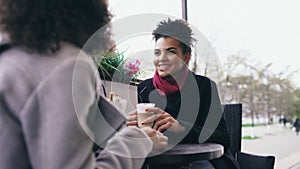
{"points": [[162, 67]]}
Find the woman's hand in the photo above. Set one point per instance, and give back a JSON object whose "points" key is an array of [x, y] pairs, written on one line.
{"points": [[159, 140], [132, 119], [163, 121]]}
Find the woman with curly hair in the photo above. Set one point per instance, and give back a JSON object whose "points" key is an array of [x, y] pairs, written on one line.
{"points": [[40, 124]]}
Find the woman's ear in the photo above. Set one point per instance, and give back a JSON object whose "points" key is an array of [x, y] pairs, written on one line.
{"points": [[187, 58]]}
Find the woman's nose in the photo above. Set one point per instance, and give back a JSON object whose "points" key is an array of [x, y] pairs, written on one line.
{"points": [[162, 56]]}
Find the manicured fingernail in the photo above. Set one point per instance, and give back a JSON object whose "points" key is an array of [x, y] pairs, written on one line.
{"points": [[146, 109]]}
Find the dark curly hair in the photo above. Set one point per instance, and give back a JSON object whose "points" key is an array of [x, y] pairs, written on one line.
{"points": [[178, 29], [41, 25]]}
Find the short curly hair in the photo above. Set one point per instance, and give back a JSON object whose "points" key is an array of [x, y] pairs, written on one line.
{"points": [[41, 25], [178, 29]]}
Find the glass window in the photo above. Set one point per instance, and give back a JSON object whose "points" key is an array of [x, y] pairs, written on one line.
{"points": [[123, 8], [138, 44]]}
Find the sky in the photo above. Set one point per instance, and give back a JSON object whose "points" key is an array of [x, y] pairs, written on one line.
{"points": [[267, 30]]}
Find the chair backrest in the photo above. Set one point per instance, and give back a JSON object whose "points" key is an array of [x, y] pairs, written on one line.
{"points": [[252, 161], [233, 117]]}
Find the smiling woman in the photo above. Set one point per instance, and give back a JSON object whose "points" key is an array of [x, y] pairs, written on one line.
{"points": [[184, 100]]}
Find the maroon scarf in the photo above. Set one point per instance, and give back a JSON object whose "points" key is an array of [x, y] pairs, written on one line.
{"points": [[171, 84]]}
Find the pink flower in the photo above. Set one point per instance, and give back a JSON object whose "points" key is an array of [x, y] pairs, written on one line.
{"points": [[133, 68]]}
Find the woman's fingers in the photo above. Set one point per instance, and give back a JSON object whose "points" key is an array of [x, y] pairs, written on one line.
{"points": [[162, 121], [131, 123], [150, 132], [132, 119], [167, 122], [157, 112], [132, 113], [151, 119], [165, 126], [159, 140]]}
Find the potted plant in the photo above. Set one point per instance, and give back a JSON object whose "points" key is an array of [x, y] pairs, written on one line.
{"points": [[114, 66]]}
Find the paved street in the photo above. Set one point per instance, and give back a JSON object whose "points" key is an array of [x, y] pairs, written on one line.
{"points": [[275, 140]]}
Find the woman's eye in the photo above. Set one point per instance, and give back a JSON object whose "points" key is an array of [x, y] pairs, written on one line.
{"points": [[156, 53], [171, 52]]}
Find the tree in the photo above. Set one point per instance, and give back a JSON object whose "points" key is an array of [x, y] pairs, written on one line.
{"points": [[261, 92]]}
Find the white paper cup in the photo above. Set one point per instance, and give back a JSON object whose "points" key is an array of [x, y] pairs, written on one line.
{"points": [[142, 114]]}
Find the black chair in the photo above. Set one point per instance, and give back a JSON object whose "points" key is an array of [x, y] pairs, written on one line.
{"points": [[233, 117], [252, 161]]}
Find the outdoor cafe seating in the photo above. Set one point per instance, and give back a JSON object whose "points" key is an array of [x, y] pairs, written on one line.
{"points": [[233, 117]]}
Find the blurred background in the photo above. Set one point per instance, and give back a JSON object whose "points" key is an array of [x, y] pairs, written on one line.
{"points": [[256, 44]]}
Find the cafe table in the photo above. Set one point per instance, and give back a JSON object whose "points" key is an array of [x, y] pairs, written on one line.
{"points": [[186, 153]]}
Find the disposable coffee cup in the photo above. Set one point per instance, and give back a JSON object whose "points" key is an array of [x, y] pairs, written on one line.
{"points": [[142, 114]]}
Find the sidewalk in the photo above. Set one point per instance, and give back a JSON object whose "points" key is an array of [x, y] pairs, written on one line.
{"points": [[297, 166], [275, 140]]}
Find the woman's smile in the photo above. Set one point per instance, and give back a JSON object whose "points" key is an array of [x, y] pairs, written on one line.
{"points": [[164, 67]]}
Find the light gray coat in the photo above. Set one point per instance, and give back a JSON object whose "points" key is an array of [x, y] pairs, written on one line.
{"points": [[39, 127]]}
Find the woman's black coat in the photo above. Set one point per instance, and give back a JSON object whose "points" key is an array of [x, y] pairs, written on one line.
{"points": [[196, 106]]}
